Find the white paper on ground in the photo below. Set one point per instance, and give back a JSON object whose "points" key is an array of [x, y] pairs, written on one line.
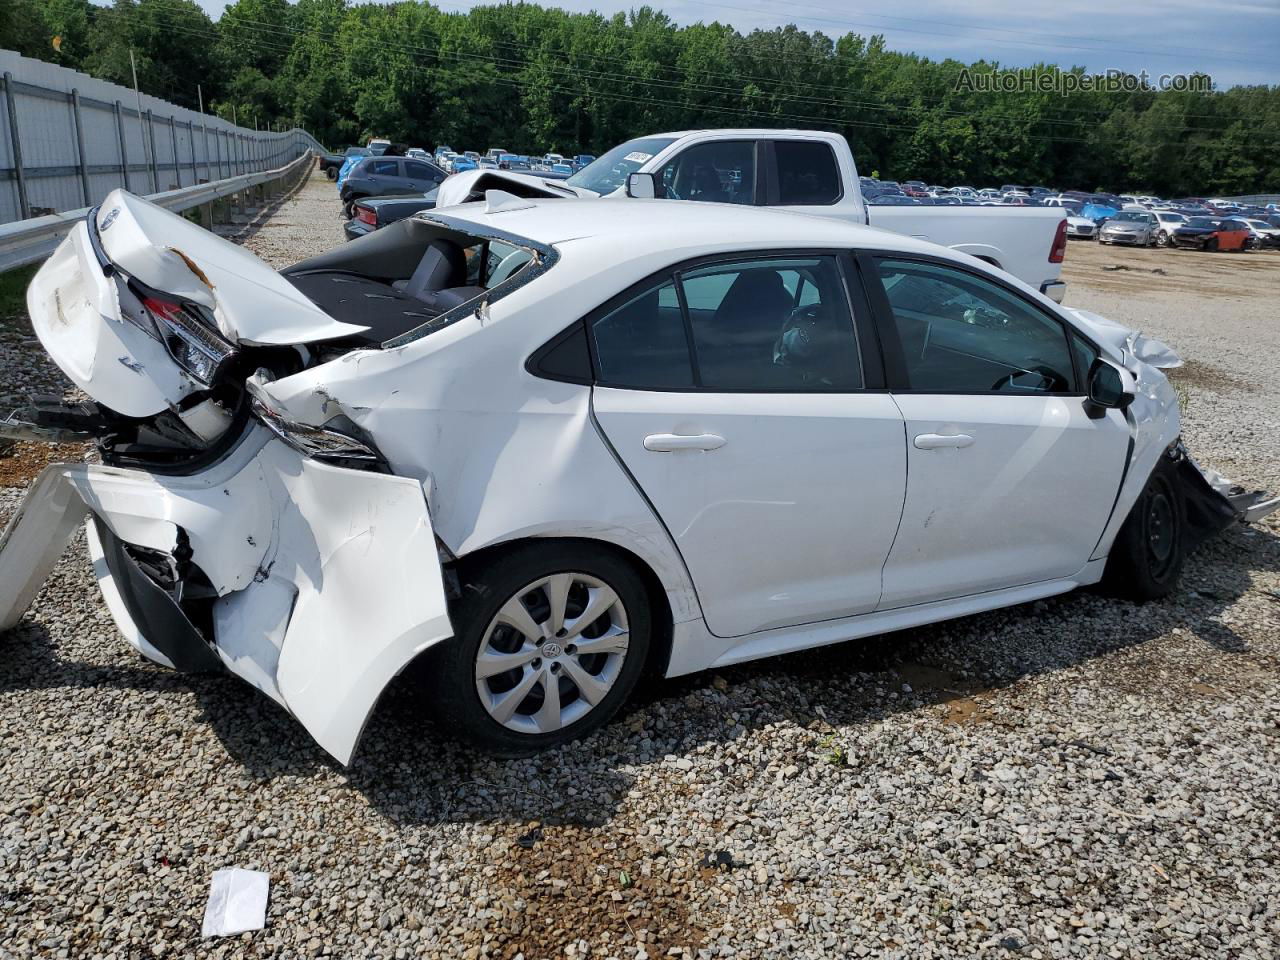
{"points": [[237, 902]]}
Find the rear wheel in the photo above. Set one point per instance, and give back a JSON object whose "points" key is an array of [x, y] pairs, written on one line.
{"points": [[331, 173], [1212, 245], [1146, 558], [349, 205], [550, 641]]}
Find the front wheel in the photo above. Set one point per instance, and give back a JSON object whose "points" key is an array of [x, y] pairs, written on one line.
{"points": [[1146, 558], [550, 642]]}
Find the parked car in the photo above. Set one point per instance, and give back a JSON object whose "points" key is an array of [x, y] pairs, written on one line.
{"points": [[1209, 233], [1262, 235], [816, 175], [565, 489], [1166, 222], [331, 164], [1081, 228], [582, 159], [379, 146], [371, 213], [385, 176], [1131, 227]]}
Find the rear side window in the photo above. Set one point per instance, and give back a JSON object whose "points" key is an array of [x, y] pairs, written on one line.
{"points": [[766, 325], [772, 325], [807, 173], [383, 167], [642, 343]]}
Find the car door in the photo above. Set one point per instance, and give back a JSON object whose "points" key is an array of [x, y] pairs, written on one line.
{"points": [[422, 176], [1010, 480], [717, 171], [735, 394]]}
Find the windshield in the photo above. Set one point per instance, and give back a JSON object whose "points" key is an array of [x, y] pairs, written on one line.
{"points": [[1201, 222], [608, 173], [1132, 217]]}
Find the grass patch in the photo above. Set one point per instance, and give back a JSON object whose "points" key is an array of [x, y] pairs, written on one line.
{"points": [[13, 290]]}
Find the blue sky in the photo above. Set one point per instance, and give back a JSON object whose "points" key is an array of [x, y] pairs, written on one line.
{"points": [[1235, 41]]}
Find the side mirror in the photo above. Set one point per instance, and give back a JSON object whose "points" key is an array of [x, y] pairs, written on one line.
{"points": [[643, 186], [1106, 390]]}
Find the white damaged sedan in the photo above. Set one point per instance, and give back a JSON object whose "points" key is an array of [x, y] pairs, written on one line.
{"points": [[551, 444]]}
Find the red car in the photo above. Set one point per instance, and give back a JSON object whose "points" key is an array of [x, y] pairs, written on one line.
{"points": [[1209, 233]]}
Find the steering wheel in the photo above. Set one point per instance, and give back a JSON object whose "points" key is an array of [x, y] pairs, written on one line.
{"points": [[796, 344]]}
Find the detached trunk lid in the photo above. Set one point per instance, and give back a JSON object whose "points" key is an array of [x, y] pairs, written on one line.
{"points": [[81, 306], [252, 303]]}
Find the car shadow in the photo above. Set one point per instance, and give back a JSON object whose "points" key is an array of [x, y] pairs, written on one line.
{"points": [[413, 772]]}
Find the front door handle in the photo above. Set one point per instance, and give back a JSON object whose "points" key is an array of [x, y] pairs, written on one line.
{"points": [[936, 441], [667, 442]]}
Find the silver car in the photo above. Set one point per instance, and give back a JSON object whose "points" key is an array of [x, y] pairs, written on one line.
{"points": [[1131, 227]]}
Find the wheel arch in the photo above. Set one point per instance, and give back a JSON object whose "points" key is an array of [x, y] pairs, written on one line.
{"points": [[660, 643]]}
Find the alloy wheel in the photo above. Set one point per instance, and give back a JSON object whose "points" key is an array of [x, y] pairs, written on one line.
{"points": [[551, 653]]}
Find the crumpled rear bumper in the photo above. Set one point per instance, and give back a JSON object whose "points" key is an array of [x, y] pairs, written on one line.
{"points": [[314, 583]]}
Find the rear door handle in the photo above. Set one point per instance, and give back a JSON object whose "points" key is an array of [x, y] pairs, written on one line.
{"points": [[667, 442], [936, 441]]}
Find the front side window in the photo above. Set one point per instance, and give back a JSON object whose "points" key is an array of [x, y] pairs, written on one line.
{"points": [[420, 171], [768, 325], [807, 173], [961, 333], [723, 171]]}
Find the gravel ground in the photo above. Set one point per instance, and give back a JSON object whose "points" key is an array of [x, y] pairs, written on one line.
{"points": [[1076, 777]]}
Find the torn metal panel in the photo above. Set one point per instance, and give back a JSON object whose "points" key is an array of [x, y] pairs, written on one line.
{"points": [[76, 313], [1249, 506], [328, 579], [252, 303]]}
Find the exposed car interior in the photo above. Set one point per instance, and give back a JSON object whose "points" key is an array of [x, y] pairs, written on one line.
{"points": [[407, 274]]}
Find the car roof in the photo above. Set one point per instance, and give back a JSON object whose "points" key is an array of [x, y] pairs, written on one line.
{"points": [[653, 223]]}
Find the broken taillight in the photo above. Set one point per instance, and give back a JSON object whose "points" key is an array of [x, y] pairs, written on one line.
{"points": [[190, 340], [1059, 249]]}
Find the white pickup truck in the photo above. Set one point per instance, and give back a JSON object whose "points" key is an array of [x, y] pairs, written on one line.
{"points": [[806, 171]]}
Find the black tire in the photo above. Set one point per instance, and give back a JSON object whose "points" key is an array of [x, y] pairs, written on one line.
{"points": [[1147, 556], [1211, 245], [486, 588], [349, 207], [331, 173]]}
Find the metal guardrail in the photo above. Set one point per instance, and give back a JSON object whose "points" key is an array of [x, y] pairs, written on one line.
{"points": [[28, 241]]}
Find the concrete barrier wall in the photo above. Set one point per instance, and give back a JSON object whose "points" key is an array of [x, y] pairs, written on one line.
{"points": [[67, 139]]}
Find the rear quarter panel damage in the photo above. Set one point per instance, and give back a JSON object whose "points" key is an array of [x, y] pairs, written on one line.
{"points": [[328, 579]]}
